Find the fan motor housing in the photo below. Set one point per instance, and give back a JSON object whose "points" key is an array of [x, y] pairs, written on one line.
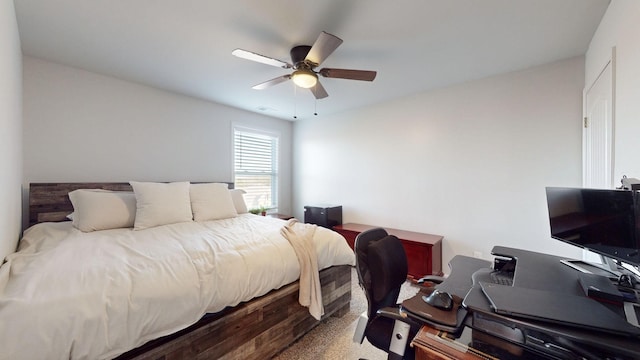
{"points": [[298, 54]]}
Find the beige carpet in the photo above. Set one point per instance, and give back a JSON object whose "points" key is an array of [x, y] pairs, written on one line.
{"points": [[333, 338]]}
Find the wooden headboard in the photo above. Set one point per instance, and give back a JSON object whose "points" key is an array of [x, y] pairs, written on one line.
{"points": [[50, 201]]}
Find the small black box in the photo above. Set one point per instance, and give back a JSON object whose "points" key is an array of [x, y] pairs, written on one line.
{"points": [[325, 215], [600, 288]]}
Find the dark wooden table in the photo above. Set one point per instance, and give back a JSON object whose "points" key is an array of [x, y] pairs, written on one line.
{"points": [[424, 251]]}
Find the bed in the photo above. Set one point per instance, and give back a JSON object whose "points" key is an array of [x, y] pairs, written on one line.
{"points": [[197, 311]]}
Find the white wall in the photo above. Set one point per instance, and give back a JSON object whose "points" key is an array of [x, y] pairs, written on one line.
{"points": [[82, 126], [620, 28], [469, 162], [10, 129]]}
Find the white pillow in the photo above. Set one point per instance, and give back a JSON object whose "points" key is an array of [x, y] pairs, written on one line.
{"points": [[238, 200], [161, 203], [96, 209], [211, 202]]}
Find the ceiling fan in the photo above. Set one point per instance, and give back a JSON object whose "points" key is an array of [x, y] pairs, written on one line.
{"points": [[304, 60]]}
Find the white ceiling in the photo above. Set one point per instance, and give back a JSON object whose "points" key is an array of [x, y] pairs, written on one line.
{"points": [[415, 45]]}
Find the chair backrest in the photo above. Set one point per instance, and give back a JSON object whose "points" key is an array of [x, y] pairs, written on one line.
{"points": [[381, 264]]}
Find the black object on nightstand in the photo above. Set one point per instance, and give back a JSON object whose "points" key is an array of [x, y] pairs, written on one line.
{"points": [[326, 215]]}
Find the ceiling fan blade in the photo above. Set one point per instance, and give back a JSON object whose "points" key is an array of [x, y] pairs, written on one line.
{"points": [[270, 83], [323, 47], [318, 91], [364, 75], [260, 58]]}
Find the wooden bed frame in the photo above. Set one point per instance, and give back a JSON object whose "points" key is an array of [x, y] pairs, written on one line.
{"points": [[257, 329]]}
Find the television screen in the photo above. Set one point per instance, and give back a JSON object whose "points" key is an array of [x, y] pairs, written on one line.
{"points": [[603, 221]]}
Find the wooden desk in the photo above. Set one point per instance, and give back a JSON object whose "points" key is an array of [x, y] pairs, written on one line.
{"points": [[424, 251]]}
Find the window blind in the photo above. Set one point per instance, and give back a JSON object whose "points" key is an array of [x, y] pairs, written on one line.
{"points": [[256, 167]]}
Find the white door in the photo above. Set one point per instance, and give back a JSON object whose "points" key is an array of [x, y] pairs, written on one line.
{"points": [[598, 132]]}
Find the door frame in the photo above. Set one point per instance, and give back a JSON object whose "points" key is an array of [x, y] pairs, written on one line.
{"points": [[610, 62]]}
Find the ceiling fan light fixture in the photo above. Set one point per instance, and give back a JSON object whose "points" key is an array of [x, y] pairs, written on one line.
{"points": [[304, 78]]}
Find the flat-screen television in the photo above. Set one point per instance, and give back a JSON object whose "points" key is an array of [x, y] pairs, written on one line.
{"points": [[600, 220]]}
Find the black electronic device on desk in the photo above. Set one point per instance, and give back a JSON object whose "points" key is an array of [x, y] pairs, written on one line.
{"points": [[558, 308], [604, 221], [601, 288], [439, 299], [547, 311]]}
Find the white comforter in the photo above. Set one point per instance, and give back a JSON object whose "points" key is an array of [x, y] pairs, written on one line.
{"points": [[72, 295]]}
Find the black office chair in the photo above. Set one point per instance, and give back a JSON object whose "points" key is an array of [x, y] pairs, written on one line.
{"points": [[381, 264]]}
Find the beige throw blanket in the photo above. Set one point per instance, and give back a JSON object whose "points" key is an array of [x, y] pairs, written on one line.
{"points": [[301, 239]]}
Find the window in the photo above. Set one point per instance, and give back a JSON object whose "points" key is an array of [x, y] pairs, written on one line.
{"points": [[256, 167]]}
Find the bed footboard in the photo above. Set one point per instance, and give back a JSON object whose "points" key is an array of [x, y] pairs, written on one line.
{"points": [[258, 329]]}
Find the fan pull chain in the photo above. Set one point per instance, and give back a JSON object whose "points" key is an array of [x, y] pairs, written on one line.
{"points": [[315, 101], [295, 102]]}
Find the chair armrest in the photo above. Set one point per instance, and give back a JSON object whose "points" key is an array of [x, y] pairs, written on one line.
{"points": [[395, 314], [431, 278]]}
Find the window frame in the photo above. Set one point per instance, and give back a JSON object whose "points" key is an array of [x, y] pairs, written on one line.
{"points": [[274, 174]]}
